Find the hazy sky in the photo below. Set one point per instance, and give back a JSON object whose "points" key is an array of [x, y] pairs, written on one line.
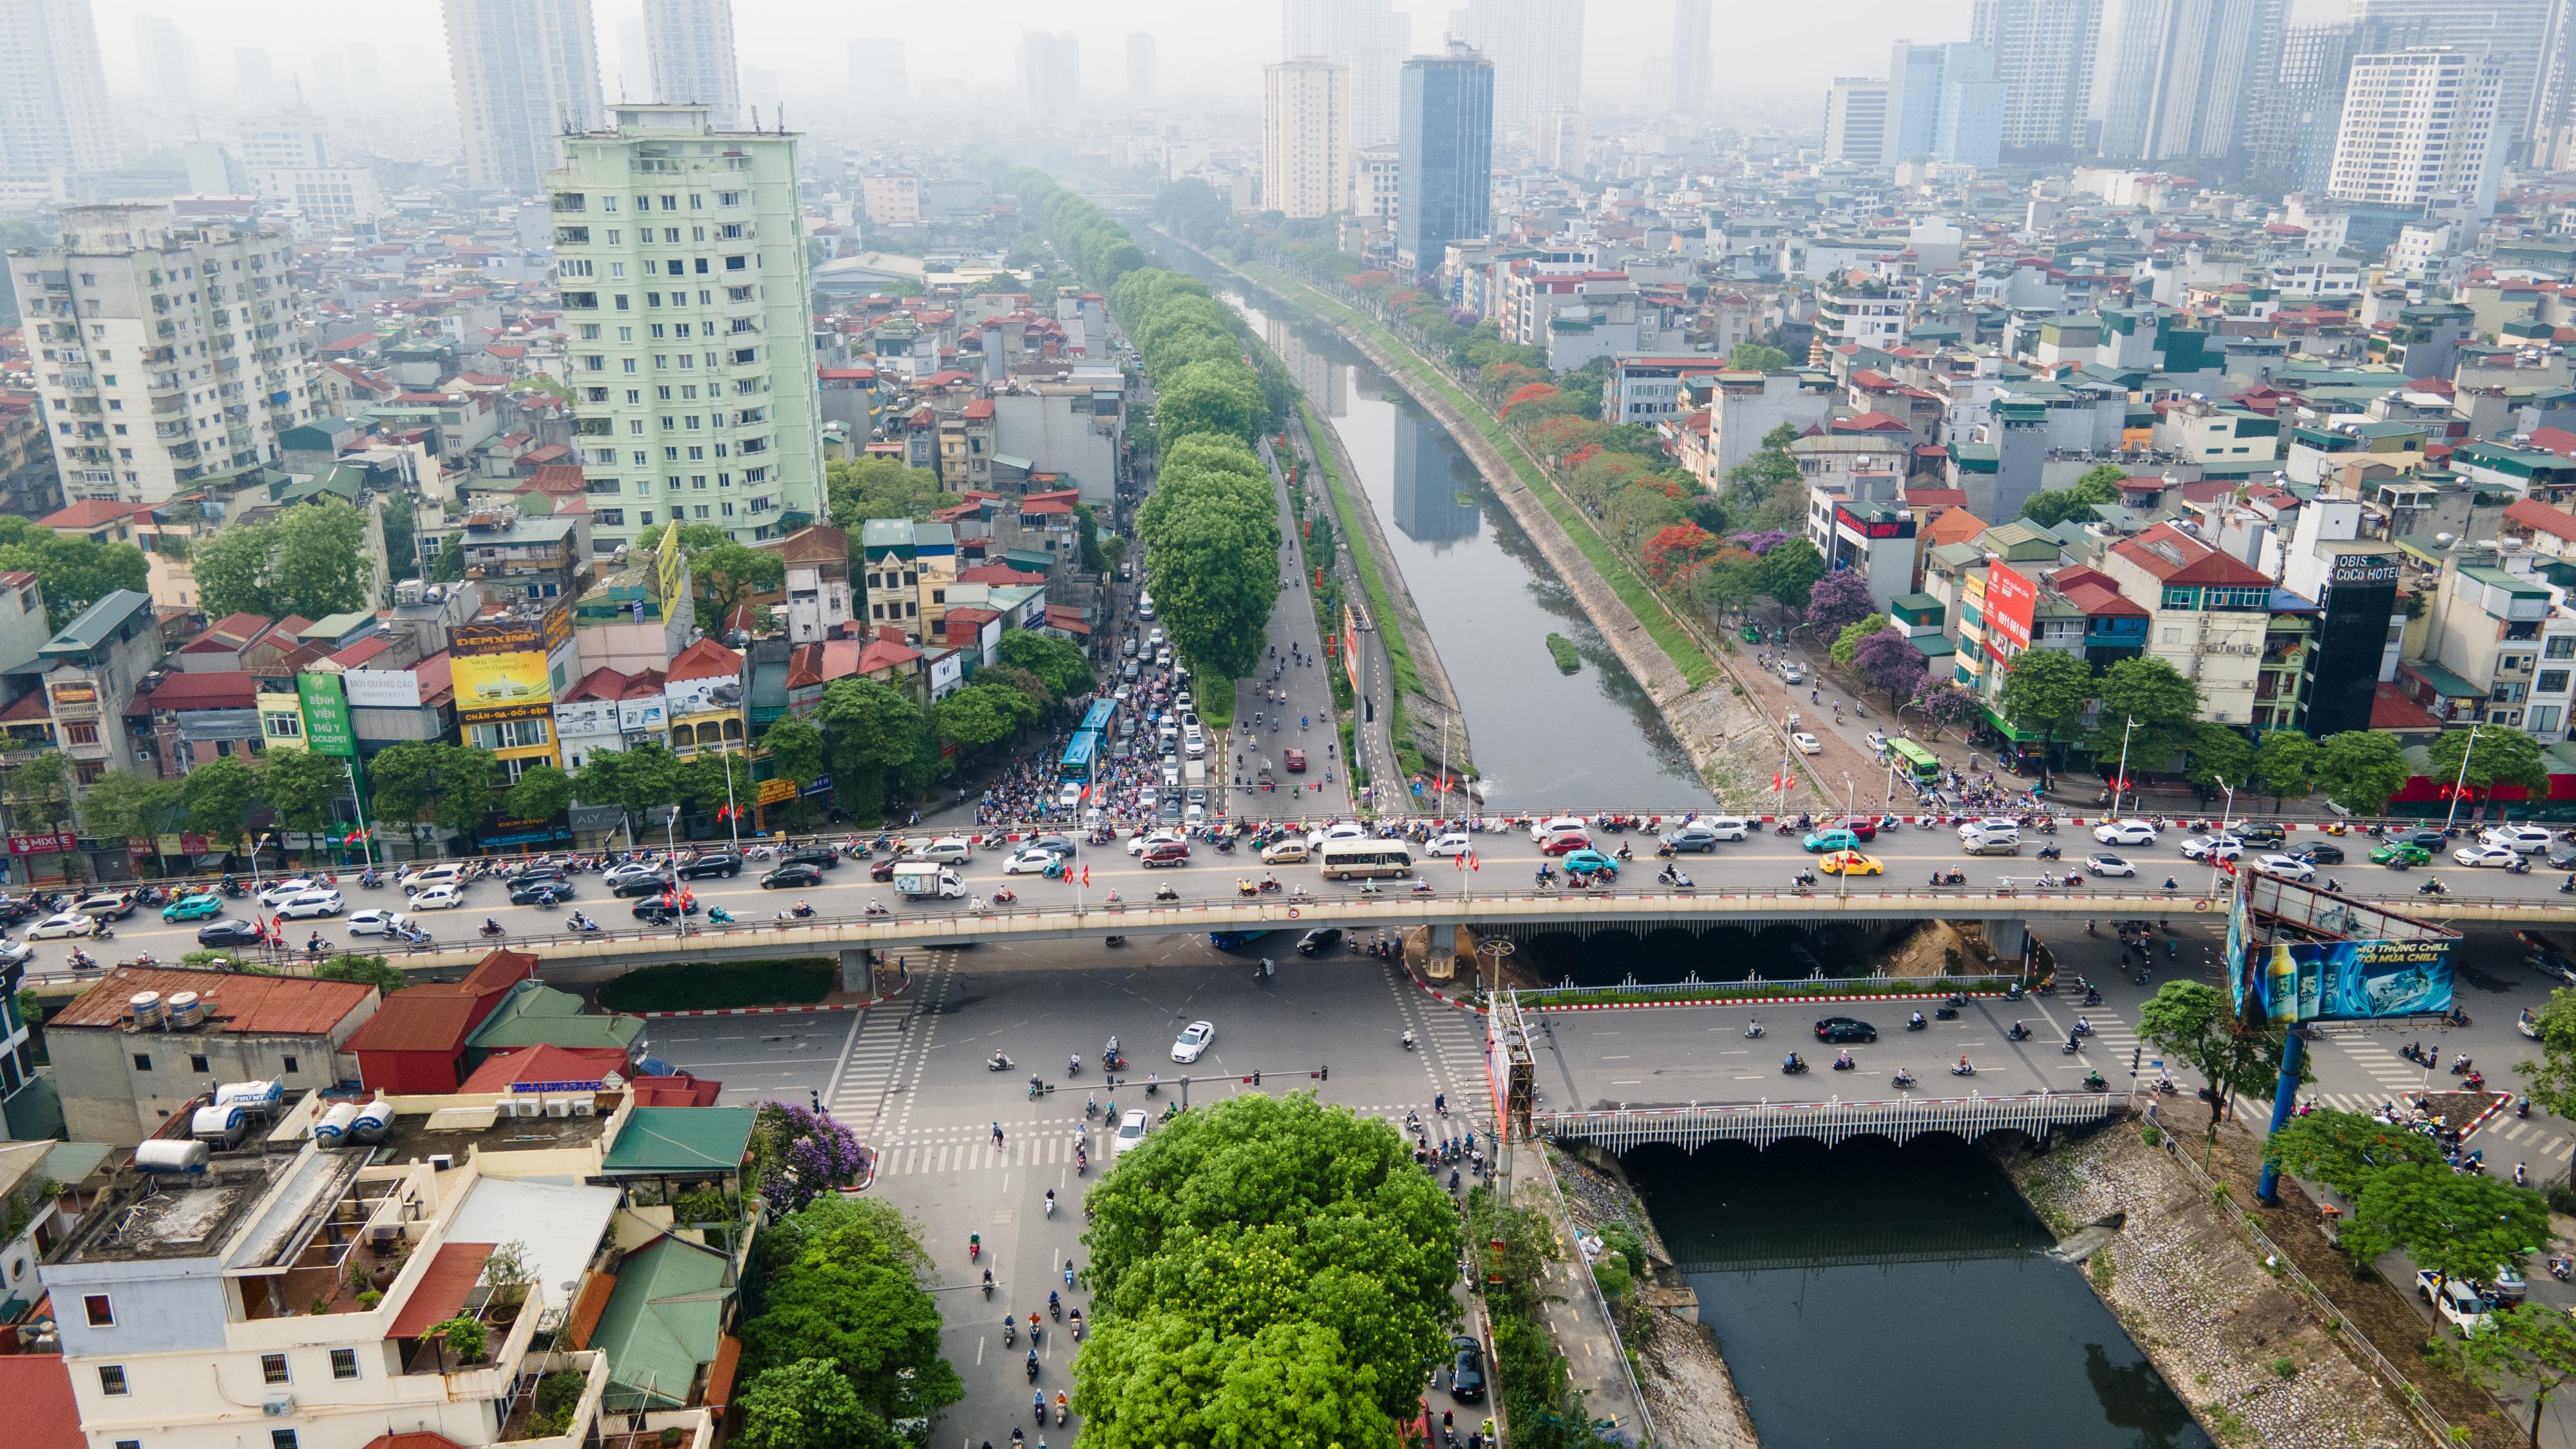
{"points": [[1765, 48]]}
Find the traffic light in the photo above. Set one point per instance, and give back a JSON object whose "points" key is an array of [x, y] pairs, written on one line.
{"points": [[1256, 1078], [1323, 1074]]}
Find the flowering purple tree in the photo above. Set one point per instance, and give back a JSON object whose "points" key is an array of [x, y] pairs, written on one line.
{"points": [[803, 1154], [1946, 704], [1839, 599], [1758, 544], [1891, 663]]}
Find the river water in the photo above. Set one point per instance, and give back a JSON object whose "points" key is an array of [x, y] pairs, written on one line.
{"points": [[1545, 740], [1878, 1295]]}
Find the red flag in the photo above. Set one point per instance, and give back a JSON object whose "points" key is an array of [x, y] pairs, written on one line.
{"points": [[1086, 875], [1473, 863]]}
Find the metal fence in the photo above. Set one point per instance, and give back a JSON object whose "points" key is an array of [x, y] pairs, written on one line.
{"points": [[1754, 988]]}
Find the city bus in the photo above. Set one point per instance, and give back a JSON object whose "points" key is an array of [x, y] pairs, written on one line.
{"points": [[1343, 859], [1915, 760], [1097, 721], [1080, 757]]}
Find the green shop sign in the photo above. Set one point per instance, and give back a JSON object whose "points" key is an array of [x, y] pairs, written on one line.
{"points": [[326, 715]]}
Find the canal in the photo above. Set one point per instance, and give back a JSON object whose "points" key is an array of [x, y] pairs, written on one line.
{"points": [[1545, 739], [1874, 1294]]}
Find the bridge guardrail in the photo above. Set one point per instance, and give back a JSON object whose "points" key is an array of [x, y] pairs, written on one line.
{"points": [[1824, 984]]}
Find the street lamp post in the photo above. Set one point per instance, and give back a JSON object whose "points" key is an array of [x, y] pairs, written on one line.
{"points": [[2122, 783], [2225, 819], [2461, 784], [1842, 884]]}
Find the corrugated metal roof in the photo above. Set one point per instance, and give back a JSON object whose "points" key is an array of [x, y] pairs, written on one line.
{"points": [[442, 1288], [287, 1005], [681, 1139]]}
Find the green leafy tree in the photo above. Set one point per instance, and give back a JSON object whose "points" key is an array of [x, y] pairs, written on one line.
{"points": [[1848, 642], [541, 792], [1789, 572], [302, 785], [2219, 759], [2045, 691], [2344, 1149], [310, 560], [1211, 528], [405, 777], [795, 749], [727, 575], [216, 797], [2359, 770], [1021, 680], [74, 572], [2165, 705], [845, 1288], [1772, 469], [2500, 756], [2552, 1076], [641, 781], [2051, 508], [981, 715], [374, 971], [1065, 668], [402, 534], [874, 737], [713, 780], [1756, 357], [2528, 1344], [2457, 1224], [1216, 396], [865, 488], [467, 788], [124, 805], [808, 1404], [2194, 1023], [1161, 1379], [2286, 764]]}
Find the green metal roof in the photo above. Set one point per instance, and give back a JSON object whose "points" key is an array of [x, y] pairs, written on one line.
{"points": [[2444, 682], [535, 1014], [97, 624], [679, 1140], [664, 1322]]}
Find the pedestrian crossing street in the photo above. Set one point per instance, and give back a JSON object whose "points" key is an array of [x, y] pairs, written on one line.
{"points": [[2109, 1049], [2379, 1063], [871, 1091]]}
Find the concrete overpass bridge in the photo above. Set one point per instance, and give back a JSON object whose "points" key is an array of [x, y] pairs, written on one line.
{"points": [[1518, 914], [1761, 1124]]}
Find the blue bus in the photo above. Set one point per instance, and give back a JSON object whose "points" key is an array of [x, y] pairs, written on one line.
{"points": [[1097, 721], [1079, 757]]}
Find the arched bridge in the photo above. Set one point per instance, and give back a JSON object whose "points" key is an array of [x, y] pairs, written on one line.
{"points": [[1832, 1123]]}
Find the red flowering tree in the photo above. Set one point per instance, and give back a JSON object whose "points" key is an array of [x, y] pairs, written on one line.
{"points": [[1564, 433], [1504, 377], [1673, 550], [1536, 392]]}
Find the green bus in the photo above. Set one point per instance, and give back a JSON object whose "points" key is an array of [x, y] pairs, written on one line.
{"points": [[1916, 760]]}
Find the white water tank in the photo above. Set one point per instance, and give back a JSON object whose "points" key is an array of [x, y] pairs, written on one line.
{"points": [[146, 1006], [187, 1009], [221, 1123], [256, 1096], [373, 1121], [163, 1155], [335, 1124]]}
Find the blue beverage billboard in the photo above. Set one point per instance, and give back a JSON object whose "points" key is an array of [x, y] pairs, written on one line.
{"points": [[2349, 980]]}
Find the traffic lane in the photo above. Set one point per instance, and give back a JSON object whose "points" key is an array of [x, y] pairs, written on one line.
{"points": [[755, 1058]]}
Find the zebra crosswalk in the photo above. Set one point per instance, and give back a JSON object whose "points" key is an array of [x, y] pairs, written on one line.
{"points": [[2530, 1136], [2377, 1062], [871, 1089]]}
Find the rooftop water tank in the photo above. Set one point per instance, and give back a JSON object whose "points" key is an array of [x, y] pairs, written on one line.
{"points": [[335, 1124], [146, 1006], [187, 1009], [167, 1156], [223, 1123], [258, 1096], [373, 1121]]}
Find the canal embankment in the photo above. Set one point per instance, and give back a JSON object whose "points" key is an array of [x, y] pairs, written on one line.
{"points": [[1732, 744], [2225, 1325]]}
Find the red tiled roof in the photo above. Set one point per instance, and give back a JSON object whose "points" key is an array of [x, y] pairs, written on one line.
{"points": [[28, 706], [413, 1021], [274, 1005], [2174, 557], [90, 513], [677, 1090], [978, 410], [588, 1309], [600, 683], [705, 659], [2533, 514], [37, 1387], [1871, 422], [1957, 525], [442, 1289], [720, 1373], [543, 1063], [2554, 440], [2390, 709], [230, 632], [213, 689], [997, 576], [357, 655], [1067, 618]]}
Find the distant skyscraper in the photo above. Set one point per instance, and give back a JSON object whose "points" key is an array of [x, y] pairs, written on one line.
{"points": [[254, 77], [1305, 137], [525, 70], [1140, 70], [53, 95], [876, 69], [1856, 123], [2292, 140], [1913, 99], [1690, 56], [1536, 47], [690, 45], [1446, 190], [1050, 74], [2516, 32], [2423, 128], [1370, 37], [169, 69], [1968, 129], [2044, 53], [634, 78], [2184, 77]]}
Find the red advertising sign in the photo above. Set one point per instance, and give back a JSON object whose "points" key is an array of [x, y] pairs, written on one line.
{"points": [[41, 844], [2010, 601]]}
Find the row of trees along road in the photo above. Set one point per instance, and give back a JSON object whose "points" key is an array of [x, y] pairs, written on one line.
{"points": [[1211, 527], [1265, 1271]]}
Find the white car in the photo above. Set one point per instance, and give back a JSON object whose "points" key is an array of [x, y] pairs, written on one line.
{"points": [[1068, 795], [445, 873], [2109, 865], [15, 953], [305, 905], [2213, 848], [1029, 862], [375, 922], [1138, 844], [1131, 1130], [2525, 838], [1988, 825], [2288, 867], [2495, 855], [1454, 843], [2125, 832], [1342, 830], [67, 924], [1147, 797], [1876, 740], [2455, 1302], [438, 898], [617, 875], [1792, 672], [1807, 744], [1193, 1040], [1556, 825], [949, 850], [279, 892]]}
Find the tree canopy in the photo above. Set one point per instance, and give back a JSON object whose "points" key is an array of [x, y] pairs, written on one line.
{"points": [[865, 488], [2165, 706], [74, 572], [311, 560], [2501, 755], [2046, 691], [2360, 769], [841, 1283], [2195, 1022]]}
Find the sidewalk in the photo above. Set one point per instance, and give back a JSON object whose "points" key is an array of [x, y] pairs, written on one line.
{"points": [[1594, 1357], [1373, 712], [1310, 696]]}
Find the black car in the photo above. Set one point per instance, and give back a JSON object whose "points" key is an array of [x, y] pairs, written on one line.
{"points": [[2263, 835], [658, 912], [1053, 844], [2322, 853], [793, 873], [536, 874], [228, 932], [1467, 1371], [1321, 941], [14, 910], [723, 863], [1845, 1028], [540, 892], [821, 857], [642, 885], [2429, 839], [2562, 856]]}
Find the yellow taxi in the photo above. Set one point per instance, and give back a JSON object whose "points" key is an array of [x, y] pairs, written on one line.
{"points": [[1851, 862]]}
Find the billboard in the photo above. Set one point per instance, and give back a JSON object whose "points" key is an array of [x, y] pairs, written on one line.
{"points": [[513, 636], [2348, 980], [327, 729], [382, 688], [499, 681], [2010, 602], [671, 570]]}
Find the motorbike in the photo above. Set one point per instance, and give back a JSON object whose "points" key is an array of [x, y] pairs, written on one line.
{"points": [[1793, 1067], [492, 928], [2017, 1032], [1945, 1013], [1901, 1080], [1844, 1063], [2432, 888], [2051, 852], [1949, 877], [2093, 1082], [1963, 1069], [997, 1062]]}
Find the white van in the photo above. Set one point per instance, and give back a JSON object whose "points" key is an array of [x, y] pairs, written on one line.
{"points": [[1145, 608]]}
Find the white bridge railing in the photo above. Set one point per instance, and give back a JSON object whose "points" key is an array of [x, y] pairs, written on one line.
{"points": [[1831, 1123]]}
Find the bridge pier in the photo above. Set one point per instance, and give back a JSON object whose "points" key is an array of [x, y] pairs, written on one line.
{"points": [[2009, 940], [858, 971]]}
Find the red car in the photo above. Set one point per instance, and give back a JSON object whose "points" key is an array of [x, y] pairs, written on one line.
{"points": [[1169, 852], [1565, 842], [1862, 827], [1296, 762]]}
